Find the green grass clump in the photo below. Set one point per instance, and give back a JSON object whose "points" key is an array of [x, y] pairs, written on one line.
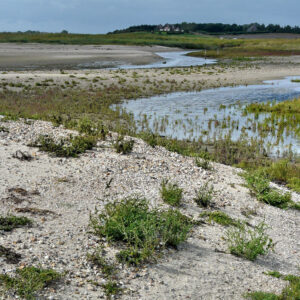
{"points": [[122, 146], [111, 288], [204, 196], [171, 193], [260, 186], [290, 292], [68, 147], [249, 243], [203, 163], [11, 222], [141, 230], [220, 218], [88, 127], [29, 280]]}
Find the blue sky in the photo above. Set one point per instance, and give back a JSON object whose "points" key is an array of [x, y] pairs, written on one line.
{"points": [[101, 16]]}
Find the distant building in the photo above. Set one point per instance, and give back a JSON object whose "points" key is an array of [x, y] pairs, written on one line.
{"points": [[169, 28], [252, 28]]}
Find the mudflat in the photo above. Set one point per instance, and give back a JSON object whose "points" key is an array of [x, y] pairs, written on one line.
{"points": [[15, 56]]}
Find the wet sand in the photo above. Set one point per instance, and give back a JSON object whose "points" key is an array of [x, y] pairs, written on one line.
{"points": [[43, 56]]}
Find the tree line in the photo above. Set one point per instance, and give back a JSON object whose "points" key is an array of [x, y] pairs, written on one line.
{"points": [[215, 28]]}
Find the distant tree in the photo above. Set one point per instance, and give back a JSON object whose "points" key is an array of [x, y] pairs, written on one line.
{"points": [[64, 32]]}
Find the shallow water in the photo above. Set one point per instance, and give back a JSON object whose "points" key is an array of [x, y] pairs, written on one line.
{"points": [[199, 115], [168, 60]]}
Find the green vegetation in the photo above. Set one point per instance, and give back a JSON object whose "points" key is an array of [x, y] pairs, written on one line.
{"points": [[122, 146], [203, 163], [249, 243], [171, 193], [220, 218], [204, 196], [11, 222], [215, 28], [97, 258], [260, 186], [111, 288], [291, 292], [141, 230], [29, 280], [68, 147]]}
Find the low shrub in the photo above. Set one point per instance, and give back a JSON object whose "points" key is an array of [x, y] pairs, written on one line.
{"points": [[141, 230], [11, 222], [260, 186], [68, 147], [29, 280]]}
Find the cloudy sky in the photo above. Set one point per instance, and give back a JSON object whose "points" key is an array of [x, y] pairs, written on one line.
{"points": [[101, 16]]}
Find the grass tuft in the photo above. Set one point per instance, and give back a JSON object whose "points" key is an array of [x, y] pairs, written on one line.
{"points": [[249, 243], [171, 193], [204, 196], [220, 218]]}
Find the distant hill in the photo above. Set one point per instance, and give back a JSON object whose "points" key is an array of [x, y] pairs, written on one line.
{"points": [[212, 28]]}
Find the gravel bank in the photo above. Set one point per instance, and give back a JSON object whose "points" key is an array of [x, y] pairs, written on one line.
{"points": [[70, 189]]}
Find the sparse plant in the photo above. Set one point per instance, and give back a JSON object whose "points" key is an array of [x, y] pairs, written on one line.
{"points": [[290, 292], [111, 288], [220, 218], [123, 146], [97, 258], [11, 222], [203, 163], [29, 280], [204, 196], [171, 193], [249, 243]]}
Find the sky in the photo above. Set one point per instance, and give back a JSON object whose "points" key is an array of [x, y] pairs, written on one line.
{"points": [[102, 16]]}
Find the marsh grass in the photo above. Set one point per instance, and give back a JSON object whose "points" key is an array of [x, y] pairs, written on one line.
{"points": [[11, 222], [171, 193], [249, 243], [29, 280], [143, 232]]}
